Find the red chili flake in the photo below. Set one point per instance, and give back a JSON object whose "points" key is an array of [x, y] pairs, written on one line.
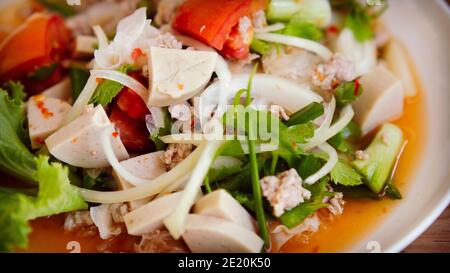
{"points": [[39, 140], [333, 29], [115, 134], [44, 111], [137, 52], [99, 80], [357, 85]]}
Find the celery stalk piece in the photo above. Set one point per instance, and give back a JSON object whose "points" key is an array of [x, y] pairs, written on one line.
{"points": [[317, 12], [381, 155]]}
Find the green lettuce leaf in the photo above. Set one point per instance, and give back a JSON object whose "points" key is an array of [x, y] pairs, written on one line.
{"points": [[56, 195], [15, 158]]}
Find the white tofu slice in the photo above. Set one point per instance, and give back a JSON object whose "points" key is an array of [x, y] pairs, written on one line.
{"points": [[79, 144], [85, 45], [45, 115], [148, 166], [222, 205], [381, 101], [177, 75], [397, 60], [61, 90], [205, 234]]}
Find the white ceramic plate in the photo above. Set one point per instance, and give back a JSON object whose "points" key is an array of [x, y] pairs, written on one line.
{"points": [[423, 26]]}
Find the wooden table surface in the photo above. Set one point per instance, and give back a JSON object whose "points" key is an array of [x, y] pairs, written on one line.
{"points": [[436, 238]]}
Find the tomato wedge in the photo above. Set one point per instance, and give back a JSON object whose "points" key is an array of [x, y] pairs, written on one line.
{"points": [[210, 21], [41, 41], [133, 132], [130, 102]]}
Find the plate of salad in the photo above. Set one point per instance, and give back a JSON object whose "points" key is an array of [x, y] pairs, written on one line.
{"points": [[240, 126]]}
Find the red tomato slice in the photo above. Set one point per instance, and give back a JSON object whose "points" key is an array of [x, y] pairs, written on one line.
{"points": [[133, 133], [132, 104], [41, 41], [210, 21], [236, 46]]}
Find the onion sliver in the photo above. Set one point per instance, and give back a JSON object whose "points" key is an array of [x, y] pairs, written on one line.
{"points": [[123, 79], [345, 117], [285, 93], [82, 101], [101, 37], [175, 221], [326, 169], [331, 107], [270, 28], [148, 189], [306, 44], [114, 162]]}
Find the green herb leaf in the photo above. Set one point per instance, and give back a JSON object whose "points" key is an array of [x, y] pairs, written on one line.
{"points": [[307, 114], [345, 175], [309, 165], [348, 92], [108, 90], [78, 79], [43, 73], [160, 145]]}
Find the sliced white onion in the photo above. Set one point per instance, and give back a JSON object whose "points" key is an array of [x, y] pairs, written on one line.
{"points": [[345, 117], [276, 90], [82, 101], [326, 169], [101, 37], [114, 162], [306, 44], [123, 79], [175, 221], [331, 107], [176, 186], [270, 28], [148, 189], [188, 41]]}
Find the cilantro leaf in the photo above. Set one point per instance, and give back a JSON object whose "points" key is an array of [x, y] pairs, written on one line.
{"points": [[345, 175], [43, 73], [108, 90]]}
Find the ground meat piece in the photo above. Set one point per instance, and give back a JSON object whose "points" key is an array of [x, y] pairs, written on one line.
{"points": [[284, 191], [176, 153], [160, 241], [165, 40], [329, 75], [77, 220], [337, 204]]}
